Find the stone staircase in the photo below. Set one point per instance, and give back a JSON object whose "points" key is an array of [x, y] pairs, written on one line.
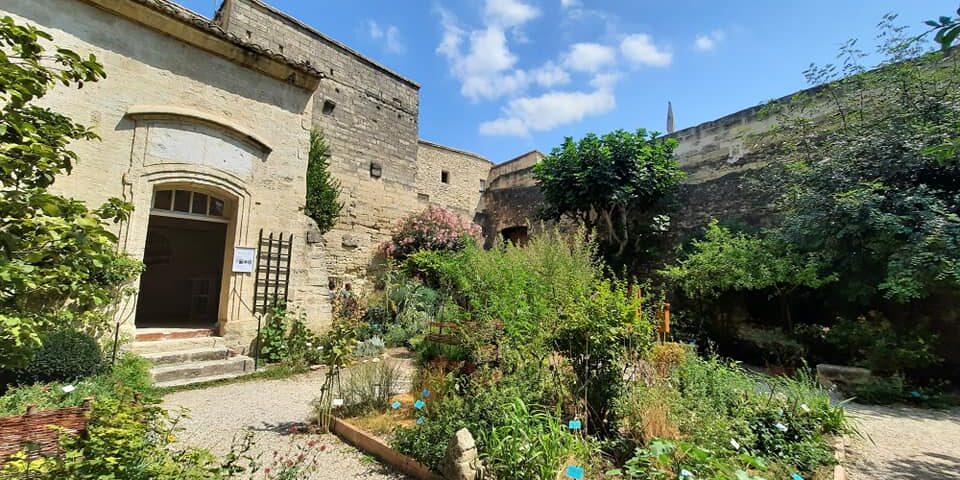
{"points": [[185, 361]]}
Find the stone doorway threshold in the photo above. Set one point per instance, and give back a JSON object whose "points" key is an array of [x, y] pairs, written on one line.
{"points": [[153, 334]]}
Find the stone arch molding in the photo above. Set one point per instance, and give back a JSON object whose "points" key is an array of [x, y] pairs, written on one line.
{"points": [[179, 135], [176, 146]]}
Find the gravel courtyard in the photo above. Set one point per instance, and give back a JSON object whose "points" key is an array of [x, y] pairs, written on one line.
{"points": [[268, 409], [905, 443]]}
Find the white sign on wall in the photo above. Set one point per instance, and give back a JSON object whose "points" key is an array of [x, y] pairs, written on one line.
{"points": [[243, 259]]}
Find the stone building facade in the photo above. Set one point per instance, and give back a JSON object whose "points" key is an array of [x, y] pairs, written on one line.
{"points": [[204, 128]]}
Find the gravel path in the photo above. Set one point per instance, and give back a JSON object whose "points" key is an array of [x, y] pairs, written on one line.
{"points": [[220, 416], [904, 443]]}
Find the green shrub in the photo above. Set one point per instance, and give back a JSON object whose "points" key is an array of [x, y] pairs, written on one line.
{"points": [[530, 444], [877, 345], [272, 344], [370, 347], [130, 373], [323, 191], [368, 386], [427, 442], [665, 459], [881, 390], [435, 228], [65, 356]]}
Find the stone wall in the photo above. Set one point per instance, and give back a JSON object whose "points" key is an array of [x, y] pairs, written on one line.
{"points": [[368, 114], [163, 103], [451, 178]]}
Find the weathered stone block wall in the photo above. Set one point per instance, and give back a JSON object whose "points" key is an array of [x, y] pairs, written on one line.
{"points": [[466, 177], [719, 158], [368, 115], [148, 68]]}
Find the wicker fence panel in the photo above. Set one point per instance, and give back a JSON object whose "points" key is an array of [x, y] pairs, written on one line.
{"points": [[39, 432]]}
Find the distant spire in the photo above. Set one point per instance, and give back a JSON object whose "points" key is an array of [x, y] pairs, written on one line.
{"points": [[670, 127]]}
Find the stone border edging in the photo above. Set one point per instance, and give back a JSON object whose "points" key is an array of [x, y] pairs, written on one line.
{"points": [[372, 445], [839, 452]]}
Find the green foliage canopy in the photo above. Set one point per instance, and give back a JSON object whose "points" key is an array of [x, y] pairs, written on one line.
{"points": [[724, 261], [868, 173], [58, 261], [323, 190], [603, 181]]}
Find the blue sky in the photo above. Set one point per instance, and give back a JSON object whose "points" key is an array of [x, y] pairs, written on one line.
{"points": [[502, 77]]}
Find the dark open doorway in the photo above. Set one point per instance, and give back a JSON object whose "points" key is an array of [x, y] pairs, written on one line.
{"points": [[515, 235], [180, 287]]}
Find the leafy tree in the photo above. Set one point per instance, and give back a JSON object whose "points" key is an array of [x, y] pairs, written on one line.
{"points": [[58, 261], [866, 173], [724, 261], [948, 30], [323, 191], [606, 182]]}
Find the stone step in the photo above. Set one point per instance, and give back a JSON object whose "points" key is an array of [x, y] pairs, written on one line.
{"points": [[197, 372], [155, 334], [163, 346], [193, 381], [187, 356]]}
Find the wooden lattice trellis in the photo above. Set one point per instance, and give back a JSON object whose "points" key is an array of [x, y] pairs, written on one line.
{"points": [[271, 284]]}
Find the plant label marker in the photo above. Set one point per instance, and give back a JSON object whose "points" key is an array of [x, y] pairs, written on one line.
{"points": [[425, 393], [796, 476], [575, 472], [337, 402], [574, 425], [395, 404], [418, 404], [420, 420]]}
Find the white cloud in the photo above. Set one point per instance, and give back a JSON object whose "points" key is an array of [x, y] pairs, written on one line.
{"points": [[545, 112], [549, 75], [589, 57], [640, 49], [605, 81], [390, 36], [569, 3], [483, 63], [705, 43], [509, 13]]}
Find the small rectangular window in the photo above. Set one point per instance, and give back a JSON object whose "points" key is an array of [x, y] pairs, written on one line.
{"points": [[162, 199], [483, 185], [216, 207], [181, 201], [445, 176], [199, 203]]}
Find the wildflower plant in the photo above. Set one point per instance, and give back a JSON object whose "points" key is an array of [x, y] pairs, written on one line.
{"points": [[435, 228]]}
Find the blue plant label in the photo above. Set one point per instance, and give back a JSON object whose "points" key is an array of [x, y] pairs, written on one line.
{"points": [[395, 404], [575, 472], [418, 404], [426, 392], [420, 420], [574, 425], [915, 394], [796, 476]]}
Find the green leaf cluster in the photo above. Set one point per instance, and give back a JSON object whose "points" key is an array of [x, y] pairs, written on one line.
{"points": [[724, 261], [605, 181], [59, 263], [323, 190]]}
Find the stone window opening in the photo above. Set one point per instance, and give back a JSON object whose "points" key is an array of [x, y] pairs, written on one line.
{"points": [[328, 107], [176, 202], [483, 185], [445, 176]]}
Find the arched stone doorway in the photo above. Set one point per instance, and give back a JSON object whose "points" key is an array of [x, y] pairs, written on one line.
{"points": [[188, 236]]}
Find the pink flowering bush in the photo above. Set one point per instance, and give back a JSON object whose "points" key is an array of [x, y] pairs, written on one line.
{"points": [[435, 228]]}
